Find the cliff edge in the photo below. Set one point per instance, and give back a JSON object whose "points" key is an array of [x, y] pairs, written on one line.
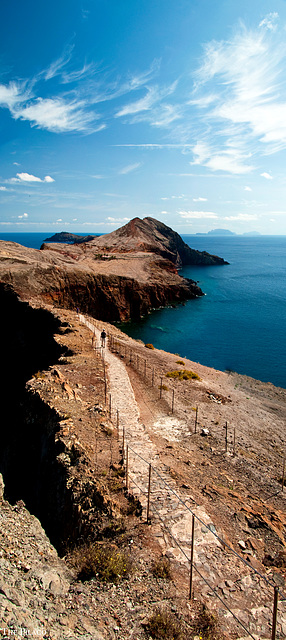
{"points": [[115, 277]]}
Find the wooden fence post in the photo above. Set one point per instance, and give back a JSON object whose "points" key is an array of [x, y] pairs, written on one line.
{"points": [[149, 491], [192, 557], [275, 609], [126, 479], [123, 442]]}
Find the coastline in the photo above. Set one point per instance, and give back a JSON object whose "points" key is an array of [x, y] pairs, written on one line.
{"points": [[235, 488], [222, 328]]}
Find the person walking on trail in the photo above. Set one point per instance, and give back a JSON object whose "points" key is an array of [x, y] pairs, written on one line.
{"points": [[103, 337]]}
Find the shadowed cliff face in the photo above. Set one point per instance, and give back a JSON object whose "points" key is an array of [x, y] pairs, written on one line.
{"points": [[112, 290], [27, 339], [114, 299], [42, 461], [27, 346]]}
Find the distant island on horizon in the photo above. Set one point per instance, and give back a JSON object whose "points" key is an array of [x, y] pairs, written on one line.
{"points": [[226, 232], [66, 237]]}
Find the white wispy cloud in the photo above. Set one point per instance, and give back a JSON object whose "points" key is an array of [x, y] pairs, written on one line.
{"points": [[78, 74], [28, 177], [266, 175], [111, 220], [155, 145], [143, 104], [25, 215], [3, 189], [55, 68], [200, 199], [270, 21], [167, 114], [74, 110], [104, 89], [59, 115], [240, 96], [244, 217], [154, 95], [129, 168], [197, 214], [230, 159], [13, 94], [247, 188]]}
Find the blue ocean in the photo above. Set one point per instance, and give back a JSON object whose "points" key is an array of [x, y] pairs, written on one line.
{"points": [[239, 324]]}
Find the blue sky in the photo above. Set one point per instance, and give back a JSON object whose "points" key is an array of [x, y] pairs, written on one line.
{"points": [[111, 109]]}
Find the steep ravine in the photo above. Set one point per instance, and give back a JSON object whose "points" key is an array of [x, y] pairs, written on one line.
{"points": [[42, 463], [26, 452]]}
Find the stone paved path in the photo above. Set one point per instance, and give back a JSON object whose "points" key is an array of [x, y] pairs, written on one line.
{"points": [[235, 585]]}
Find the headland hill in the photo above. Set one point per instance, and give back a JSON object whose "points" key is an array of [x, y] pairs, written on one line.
{"points": [[217, 440], [118, 276]]}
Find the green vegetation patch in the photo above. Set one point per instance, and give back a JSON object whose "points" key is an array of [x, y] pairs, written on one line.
{"points": [[183, 374], [104, 561], [149, 346], [180, 362]]}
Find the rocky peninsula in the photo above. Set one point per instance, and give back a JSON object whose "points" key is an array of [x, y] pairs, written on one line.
{"points": [[215, 442], [115, 277]]}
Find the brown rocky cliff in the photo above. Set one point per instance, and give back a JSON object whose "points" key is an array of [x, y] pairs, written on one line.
{"points": [[122, 288], [156, 237], [116, 277]]}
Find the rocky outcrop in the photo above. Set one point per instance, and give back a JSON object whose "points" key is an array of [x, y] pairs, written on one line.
{"points": [[116, 277], [69, 238], [156, 237], [126, 287]]}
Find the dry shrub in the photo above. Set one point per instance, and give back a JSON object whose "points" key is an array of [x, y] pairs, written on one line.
{"points": [[149, 346], [181, 374], [162, 568], [164, 626], [206, 625], [106, 562], [180, 362]]}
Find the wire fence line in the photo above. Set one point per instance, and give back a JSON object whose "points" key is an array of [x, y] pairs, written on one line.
{"points": [[145, 492], [152, 378], [126, 448]]}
